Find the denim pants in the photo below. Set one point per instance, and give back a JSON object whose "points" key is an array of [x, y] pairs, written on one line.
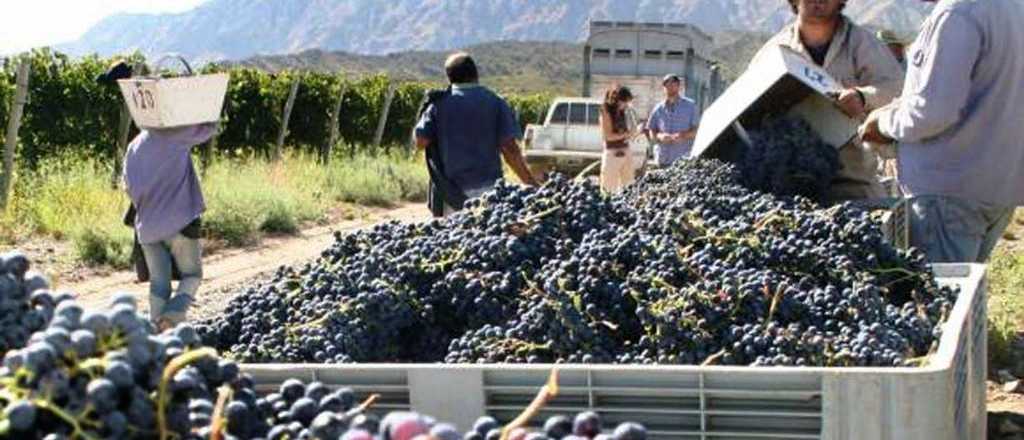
{"points": [[954, 230], [186, 252]]}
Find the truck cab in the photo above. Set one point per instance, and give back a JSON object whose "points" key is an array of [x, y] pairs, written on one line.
{"points": [[570, 138]]}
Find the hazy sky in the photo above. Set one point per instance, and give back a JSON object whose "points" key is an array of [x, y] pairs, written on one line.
{"points": [[30, 23]]}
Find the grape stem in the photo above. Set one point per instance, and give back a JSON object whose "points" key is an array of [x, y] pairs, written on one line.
{"points": [[368, 403], [547, 392], [179, 362], [224, 395], [713, 359], [67, 418]]}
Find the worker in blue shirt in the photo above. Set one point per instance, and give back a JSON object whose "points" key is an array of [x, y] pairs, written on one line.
{"points": [[472, 129], [673, 123]]}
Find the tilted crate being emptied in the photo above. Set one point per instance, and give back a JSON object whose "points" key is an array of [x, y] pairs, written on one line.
{"points": [[779, 82]]}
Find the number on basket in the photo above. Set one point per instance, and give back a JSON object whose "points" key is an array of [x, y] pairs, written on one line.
{"points": [[143, 98]]}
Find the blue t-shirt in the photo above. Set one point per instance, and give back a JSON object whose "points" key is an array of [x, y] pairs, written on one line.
{"points": [[470, 125]]}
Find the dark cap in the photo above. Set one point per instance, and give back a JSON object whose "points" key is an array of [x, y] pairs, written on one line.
{"points": [[116, 71], [670, 77]]}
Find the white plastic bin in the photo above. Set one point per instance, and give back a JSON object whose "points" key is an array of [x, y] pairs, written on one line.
{"points": [[944, 400], [174, 102]]}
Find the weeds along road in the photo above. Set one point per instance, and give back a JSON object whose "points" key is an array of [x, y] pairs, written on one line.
{"points": [[226, 272]]}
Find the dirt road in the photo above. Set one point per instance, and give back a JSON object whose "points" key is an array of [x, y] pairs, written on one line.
{"points": [[225, 272]]}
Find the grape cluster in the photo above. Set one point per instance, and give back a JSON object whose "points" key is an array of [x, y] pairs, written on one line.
{"points": [[583, 426], [96, 375], [687, 266], [787, 158], [93, 375], [22, 312]]}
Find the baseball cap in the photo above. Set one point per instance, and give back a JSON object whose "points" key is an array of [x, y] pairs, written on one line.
{"points": [[670, 77]]}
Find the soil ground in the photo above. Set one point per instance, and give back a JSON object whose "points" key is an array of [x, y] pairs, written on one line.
{"points": [[228, 271]]}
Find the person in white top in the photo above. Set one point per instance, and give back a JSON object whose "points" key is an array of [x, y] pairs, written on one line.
{"points": [[959, 128]]}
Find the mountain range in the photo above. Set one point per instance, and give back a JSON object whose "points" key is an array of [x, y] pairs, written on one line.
{"points": [[238, 29]]}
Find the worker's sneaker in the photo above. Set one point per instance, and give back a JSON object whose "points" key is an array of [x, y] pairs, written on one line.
{"points": [[174, 312]]}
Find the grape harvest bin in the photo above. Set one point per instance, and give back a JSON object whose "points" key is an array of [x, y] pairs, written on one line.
{"points": [[943, 400]]}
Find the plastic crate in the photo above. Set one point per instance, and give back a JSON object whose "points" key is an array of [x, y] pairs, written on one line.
{"points": [[944, 400], [156, 102]]}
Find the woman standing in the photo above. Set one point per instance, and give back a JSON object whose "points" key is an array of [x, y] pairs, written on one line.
{"points": [[616, 162]]}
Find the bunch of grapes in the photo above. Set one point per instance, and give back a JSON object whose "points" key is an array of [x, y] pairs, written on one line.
{"points": [[25, 304], [787, 158], [690, 265], [583, 426], [108, 375]]}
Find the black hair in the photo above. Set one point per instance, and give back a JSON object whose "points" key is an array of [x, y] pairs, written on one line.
{"points": [[461, 68], [793, 3]]}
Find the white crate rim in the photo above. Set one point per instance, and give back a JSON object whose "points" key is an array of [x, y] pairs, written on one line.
{"points": [[940, 361]]}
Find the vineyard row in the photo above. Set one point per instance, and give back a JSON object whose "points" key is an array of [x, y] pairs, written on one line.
{"points": [[68, 111]]}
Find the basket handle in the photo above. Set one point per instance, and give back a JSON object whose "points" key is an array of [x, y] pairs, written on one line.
{"points": [[160, 61]]}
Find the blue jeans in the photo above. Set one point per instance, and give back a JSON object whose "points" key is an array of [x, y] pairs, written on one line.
{"points": [[954, 230], [186, 252]]}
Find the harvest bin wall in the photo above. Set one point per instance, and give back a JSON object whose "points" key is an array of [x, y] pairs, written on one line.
{"points": [[944, 400]]}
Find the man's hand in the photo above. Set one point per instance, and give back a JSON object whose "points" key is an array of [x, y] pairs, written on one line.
{"points": [[869, 131], [667, 138], [852, 103]]}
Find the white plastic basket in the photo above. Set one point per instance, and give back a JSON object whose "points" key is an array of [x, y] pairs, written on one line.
{"points": [[944, 400], [156, 102]]}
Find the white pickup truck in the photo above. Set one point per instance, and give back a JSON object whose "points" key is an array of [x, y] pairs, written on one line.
{"points": [[570, 138]]}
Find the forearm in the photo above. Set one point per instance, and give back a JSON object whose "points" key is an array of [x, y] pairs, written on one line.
{"points": [[422, 143], [514, 158], [912, 119], [690, 134], [616, 137]]}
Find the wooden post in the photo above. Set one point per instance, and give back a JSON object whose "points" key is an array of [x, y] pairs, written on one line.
{"points": [[325, 155], [379, 136], [284, 120], [13, 125]]}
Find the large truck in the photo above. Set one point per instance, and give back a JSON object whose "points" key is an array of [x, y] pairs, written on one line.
{"points": [[636, 55]]}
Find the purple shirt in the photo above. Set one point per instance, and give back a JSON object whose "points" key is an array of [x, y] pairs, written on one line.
{"points": [[162, 182]]}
